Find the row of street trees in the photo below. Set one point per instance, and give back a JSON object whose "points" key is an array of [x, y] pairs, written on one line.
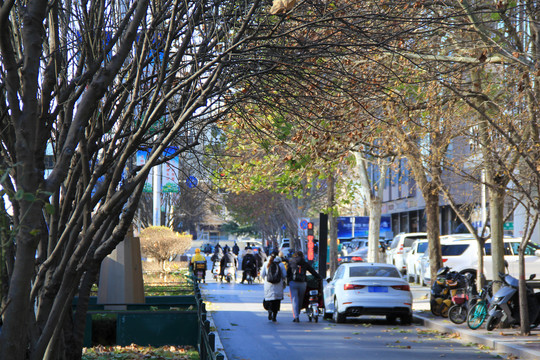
{"points": [[452, 88]]}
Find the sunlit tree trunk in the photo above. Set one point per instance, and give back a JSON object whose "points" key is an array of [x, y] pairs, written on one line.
{"points": [[332, 224]]}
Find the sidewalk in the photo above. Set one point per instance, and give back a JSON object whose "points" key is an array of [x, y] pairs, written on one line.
{"points": [[506, 341]]}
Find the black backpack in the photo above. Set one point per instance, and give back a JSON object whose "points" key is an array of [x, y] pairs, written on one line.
{"points": [[299, 273], [249, 261], [274, 273]]}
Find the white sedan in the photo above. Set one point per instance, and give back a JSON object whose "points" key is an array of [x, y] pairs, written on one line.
{"points": [[368, 289]]}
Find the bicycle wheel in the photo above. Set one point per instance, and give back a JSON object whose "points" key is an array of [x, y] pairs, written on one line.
{"points": [[476, 315], [457, 314]]}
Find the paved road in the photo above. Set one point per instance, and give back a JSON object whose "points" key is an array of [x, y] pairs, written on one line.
{"points": [[246, 333]]}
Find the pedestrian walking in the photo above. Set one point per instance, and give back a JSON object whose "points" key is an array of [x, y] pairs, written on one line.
{"points": [[297, 279], [274, 275], [235, 249]]}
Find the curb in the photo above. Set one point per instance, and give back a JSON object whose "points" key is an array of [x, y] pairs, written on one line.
{"points": [[218, 344], [502, 346]]}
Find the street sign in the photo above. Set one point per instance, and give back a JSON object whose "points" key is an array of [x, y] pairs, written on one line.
{"points": [[192, 182], [303, 224]]}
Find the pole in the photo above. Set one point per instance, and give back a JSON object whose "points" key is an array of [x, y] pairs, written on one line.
{"points": [[156, 191], [484, 212], [323, 243]]}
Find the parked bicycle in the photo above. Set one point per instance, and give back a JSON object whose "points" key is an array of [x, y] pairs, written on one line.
{"points": [[463, 299], [478, 312]]}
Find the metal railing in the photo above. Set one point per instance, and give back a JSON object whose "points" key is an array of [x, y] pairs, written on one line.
{"points": [[206, 338]]}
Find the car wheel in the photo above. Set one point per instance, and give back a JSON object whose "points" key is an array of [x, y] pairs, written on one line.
{"points": [[405, 319], [326, 315], [391, 319], [338, 318]]}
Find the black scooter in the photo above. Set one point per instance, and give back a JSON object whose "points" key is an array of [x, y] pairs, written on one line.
{"points": [[504, 309]]}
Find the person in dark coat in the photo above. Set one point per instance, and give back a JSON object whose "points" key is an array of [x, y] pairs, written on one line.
{"points": [[216, 258], [296, 276], [218, 254], [228, 258], [235, 249], [249, 265], [261, 256]]}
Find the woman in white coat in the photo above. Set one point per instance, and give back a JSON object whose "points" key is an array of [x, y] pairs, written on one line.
{"points": [[273, 292]]}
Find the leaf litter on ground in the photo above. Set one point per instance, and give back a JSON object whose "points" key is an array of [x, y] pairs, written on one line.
{"points": [[136, 352]]}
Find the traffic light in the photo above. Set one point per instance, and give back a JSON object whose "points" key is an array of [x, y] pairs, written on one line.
{"points": [[310, 241]]}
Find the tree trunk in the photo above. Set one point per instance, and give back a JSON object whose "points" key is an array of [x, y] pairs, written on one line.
{"points": [[373, 194], [332, 224], [525, 326], [434, 245], [75, 341], [480, 277], [496, 205], [375, 210], [4, 243]]}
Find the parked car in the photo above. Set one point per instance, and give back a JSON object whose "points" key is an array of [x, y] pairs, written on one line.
{"points": [[397, 253], [418, 248], [351, 257], [368, 289], [461, 254], [357, 243], [363, 251]]}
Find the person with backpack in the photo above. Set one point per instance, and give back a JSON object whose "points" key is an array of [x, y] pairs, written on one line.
{"points": [[274, 275], [297, 279], [228, 258], [249, 265]]}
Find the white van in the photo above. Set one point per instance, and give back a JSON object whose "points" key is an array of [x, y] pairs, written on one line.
{"points": [[461, 254]]}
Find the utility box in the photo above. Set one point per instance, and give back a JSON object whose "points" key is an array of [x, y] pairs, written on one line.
{"points": [[120, 280]]}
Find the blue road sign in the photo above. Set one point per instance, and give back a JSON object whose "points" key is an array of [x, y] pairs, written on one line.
{"points": [[192, 182]]}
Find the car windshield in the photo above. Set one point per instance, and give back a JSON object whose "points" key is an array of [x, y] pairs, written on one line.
{"points": [[371, 271], [453, 250], [422, 247], [408, 241]]}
